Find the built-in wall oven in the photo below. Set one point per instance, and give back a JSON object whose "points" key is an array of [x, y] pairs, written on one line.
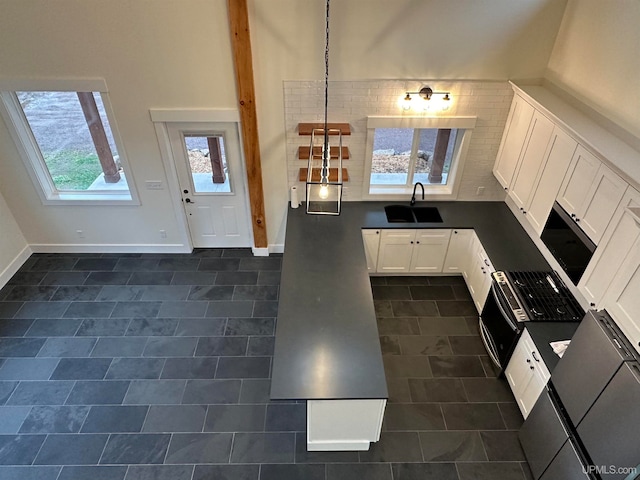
{"points": [[518, 297]]}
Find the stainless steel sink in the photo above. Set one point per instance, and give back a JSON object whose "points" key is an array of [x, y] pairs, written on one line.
{"points": [[399, 214], [427, 215]]}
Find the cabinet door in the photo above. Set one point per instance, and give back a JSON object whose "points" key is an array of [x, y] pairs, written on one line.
{"points": [[459, 251], [560, 151], [512, 141], [601, 201], [577, 182], [371, 239], [534, 154], [479, 280], [429, 250], [394, 253], [619, 237], [519, 371]]}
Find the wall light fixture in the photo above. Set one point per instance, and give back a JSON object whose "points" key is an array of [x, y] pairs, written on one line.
{"points": [[426, 94]]}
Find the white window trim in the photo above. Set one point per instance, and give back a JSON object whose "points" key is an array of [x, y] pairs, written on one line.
{"points": [[31, 156], [464, 125]]}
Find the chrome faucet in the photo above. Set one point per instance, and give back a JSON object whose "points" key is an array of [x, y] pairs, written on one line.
{"points": [[413, 197]]}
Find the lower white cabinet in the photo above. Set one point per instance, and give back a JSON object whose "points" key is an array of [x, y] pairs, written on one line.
{"points": [[478, 274], [458, 256], [412, 251], [526, 373], [371, 240]]}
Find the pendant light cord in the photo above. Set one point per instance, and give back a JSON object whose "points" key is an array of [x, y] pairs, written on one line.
{"points": [[326, 91]]}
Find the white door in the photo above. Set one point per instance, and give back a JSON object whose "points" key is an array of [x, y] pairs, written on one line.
{"points": [[212, 183]]}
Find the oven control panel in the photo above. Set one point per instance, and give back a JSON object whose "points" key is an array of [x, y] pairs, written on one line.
{"points": [[508, 294]]}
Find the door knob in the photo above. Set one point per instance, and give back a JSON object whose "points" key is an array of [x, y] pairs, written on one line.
{"points": [[188, 200]]}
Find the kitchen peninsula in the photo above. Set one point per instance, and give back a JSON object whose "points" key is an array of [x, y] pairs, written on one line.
{"points": [[327, 350]]}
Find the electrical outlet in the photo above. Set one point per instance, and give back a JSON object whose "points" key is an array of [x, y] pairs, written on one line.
{"points": [[80, 233], [163, 234], [154, 185], [480, 191]]}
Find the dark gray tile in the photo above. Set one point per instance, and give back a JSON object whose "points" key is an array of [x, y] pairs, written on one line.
{"points": [[394, 447], [183, 309], [119, 347], [444, 326], [447, 280], [487, 390], [67, 347], [456, 308], [183, 264], [292, 472], [137, 264], [437, 390], [15, 327], [490, 369], [390, 345], [20, 347], [414, 308], [243, 367], [229, 309], [40, 393], [472, 416], [250, 326], [305, 456], [76, 293], [19, 449], [255, 390], [413, 416], [262, 308], [263, 448], [103, 327], [57, 262], [432, 292], [6, 389], [120, 293], [81, 369], [30, 278], [398, 390], [9, 310], [452, 446], [108, 278], [268, 278], [59, 327], [456, 366], [255, 292], [135, 368], [200, 327], [95, 264], [238, 278], [211, 292], [467, 345], [70, 449], [170, 347], [461, 292], [155, 392], [94, 472], [398, 326], [286, 417], [89, 310], [199, 448], [424, 471], [235, 418], [11, 418], [217, 346], [135, 309], [89, 392], [150, 278], [29, 293], [407, 366], [511, 415], [237, 253], [502, 446], [135, 448], [110, 419], [159, 472], [413, 280], [28, 368], [424, 345], [55, 419], [387, 292], [193, 278], [175, 418], [139, 327], [490, 471], [261, 263], [211, 391], [382, 308], [261, 346], [40, 309], [350, 471], [219, 264], [164, 292], [30, 473], [226, 472], [187, 368]]}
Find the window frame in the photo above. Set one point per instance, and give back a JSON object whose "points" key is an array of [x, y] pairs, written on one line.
{"points": [[464, 125], [31, 156]]}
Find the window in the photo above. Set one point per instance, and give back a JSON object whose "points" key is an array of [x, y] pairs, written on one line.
{"points": [[403, 151], [69, 145]]}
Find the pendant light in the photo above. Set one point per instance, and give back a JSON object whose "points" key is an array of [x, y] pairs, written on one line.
{"points": [[324, 184]]}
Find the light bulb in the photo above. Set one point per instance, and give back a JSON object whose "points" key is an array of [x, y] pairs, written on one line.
{"points": [[406, 103], [324, 192]]}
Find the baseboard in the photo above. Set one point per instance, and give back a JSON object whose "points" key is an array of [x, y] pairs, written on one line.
{"points": [[276, 248], [260, 252], [15, 265], [107, 248]]}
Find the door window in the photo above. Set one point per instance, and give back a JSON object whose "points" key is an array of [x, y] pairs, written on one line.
{"points": [[207, 163]]}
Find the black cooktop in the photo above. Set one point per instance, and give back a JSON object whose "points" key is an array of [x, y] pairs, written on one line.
{"points": [[545, 297]]}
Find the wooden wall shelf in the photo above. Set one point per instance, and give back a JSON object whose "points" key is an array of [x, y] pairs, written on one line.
{"points": [[307, 128], [333, 175], [303, 152]]}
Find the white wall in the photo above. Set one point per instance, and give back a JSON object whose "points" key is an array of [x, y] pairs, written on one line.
{"points": [[595, 58], [13, 246]]}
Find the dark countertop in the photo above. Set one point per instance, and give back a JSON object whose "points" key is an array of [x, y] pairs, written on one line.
{"points": [[542, 333], [327, 343]]}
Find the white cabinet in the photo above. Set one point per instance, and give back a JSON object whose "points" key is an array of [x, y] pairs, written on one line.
{"points": [[371, 240], [458, 256], [560, 150], [532, 159], [512, 142], [615, 245], [590, 193], [526, 373], [412, 251], [479, 274]]}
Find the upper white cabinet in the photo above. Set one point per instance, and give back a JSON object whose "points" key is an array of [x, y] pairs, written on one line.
{"points": [[577, 181], [412, 251], [459, 252], [513, 139], [371, 239]]}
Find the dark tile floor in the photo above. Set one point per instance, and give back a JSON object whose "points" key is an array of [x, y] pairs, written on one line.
{"points": [[156, 367]]}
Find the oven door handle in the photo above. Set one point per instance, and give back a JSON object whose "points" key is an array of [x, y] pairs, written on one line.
{"points": [[488, 343], [507, 317]]}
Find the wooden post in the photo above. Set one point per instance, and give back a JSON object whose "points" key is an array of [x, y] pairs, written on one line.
{"points": [[439, 155], [241, 44], [215, 156], [92, 116]]}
